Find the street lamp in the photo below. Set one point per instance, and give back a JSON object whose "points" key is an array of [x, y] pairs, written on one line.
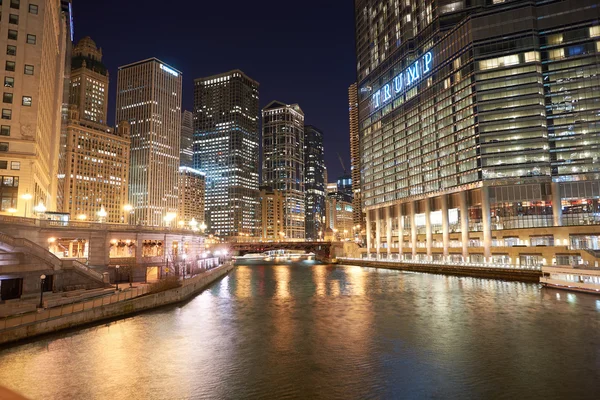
{"points": [[127, 208], [193, 224], [40, 208], [11, 211], [116, 275], [169, 217], [203, 227], [42, 280], [26, 197], [82, 217], [102, 214]]}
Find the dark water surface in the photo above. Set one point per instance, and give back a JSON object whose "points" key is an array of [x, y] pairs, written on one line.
{"points": [[327, 332]]}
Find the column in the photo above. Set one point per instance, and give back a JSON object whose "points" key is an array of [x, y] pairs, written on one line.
{"points": [[556, 204], [487, 223], [464, 224], [400, 231], [413, 229], [428, 233], [368, 231], [445, 225], [388, 230], [377, 232]]}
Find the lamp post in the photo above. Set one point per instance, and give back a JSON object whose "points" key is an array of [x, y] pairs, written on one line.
{"points": [[102, 214], [203, 227], [116, 276], [11, 211], [169, 218], [40, 209], [26, 197], [127, 208], [42, 280], [193, 224]]}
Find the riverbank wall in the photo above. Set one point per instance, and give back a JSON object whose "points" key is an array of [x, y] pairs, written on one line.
{"points": [[111, 307], [512, 274]]}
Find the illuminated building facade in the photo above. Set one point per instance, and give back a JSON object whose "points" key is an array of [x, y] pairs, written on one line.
{"points": [[283, 161], [271, 214], [478, 126], [359, 216], [226, 149], [89, 82], [35, 38], [314, 181], [339, 217], [149, 98], [186, 149], [192, 188]]}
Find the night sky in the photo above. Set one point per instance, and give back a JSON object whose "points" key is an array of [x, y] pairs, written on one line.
{"points": [[299, 52]]}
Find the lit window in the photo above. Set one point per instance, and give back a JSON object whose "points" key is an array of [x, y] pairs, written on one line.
{"points": [[5, 130], [10, 66], [16, 165], [27, 101], [31, 39], [28, 69], [9, 81], [33, 8], [11, 50], [6, 114], [7, 97]]}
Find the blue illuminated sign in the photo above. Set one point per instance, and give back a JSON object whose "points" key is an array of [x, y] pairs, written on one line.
{"points": [[169, 70], [405, 79]]}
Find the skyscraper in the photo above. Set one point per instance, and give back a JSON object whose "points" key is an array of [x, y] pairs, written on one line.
{"points": [[192, 187], [149, 98], [226, 149], [89, 82], [35, 39], [271, 214], [186, 150], [358, 216], [314, 181], [283, 162], [478, 119], [94, 159]]}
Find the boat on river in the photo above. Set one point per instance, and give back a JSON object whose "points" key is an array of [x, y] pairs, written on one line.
{"points": [[576, 278], [275, 256]]}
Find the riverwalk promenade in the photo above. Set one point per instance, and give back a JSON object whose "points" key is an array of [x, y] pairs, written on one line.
{"points": [[105, 304]]}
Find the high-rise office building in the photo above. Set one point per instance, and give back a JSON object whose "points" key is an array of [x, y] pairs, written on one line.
{"points": [[314, 181], [186, 149], [338, 218], [94, 159], [359, 216], [192, 187], [344, 187], [149, 98], [35, 38], [271, 214], [226, 149], [478, 124], [89, 82], [283, 162]]}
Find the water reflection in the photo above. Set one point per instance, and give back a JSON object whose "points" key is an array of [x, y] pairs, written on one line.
{"points": [[332, 332]]}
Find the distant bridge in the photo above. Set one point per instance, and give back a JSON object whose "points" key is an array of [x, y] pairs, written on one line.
{"points": [[322, 250]]}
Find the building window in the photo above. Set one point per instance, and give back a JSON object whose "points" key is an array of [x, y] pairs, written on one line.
{"points": [[12, 34], [10, 66], [3, 164], [28, 69], [15, 165], [6, 114], [11, 50], [3, 147], [9, 81], [5, 130], [7, 97], [27, 101], [15, 4], [30, 39], [13, 19], [33, 8]]}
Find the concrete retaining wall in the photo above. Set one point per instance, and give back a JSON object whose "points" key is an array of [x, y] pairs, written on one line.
{"points": [[522, 275], [84, 313]]}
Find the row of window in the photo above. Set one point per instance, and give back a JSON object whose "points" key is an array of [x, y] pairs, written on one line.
{"points": [[14, 165], [13, 35], [12, 66], [16, 4], [8, 98]]}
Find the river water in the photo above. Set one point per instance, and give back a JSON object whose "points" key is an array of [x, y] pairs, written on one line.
{"points": [[329, 332]]}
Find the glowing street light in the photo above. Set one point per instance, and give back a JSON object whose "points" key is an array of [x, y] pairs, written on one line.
{"points": [[203, 226], [40, 208], [193, 224], [82, 217], [169, 218], [11, 211], [127, 208], [26, 197], [102, 214]]}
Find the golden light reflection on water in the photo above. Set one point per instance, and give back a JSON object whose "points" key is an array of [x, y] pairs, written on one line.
{"points": [[356, 279], [282, 277], [319, 278], [243, 275]]}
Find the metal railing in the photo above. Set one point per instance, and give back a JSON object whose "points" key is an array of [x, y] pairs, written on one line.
{"points": [[20, 244], [445, 263]]}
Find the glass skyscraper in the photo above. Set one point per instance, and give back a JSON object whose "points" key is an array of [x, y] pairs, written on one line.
{"points": [[478, 124], [226, 149], [314, 182]]}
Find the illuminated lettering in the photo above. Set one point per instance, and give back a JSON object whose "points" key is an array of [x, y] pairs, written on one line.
{"points": [[410, 76], [169, 70], [386, 93]]}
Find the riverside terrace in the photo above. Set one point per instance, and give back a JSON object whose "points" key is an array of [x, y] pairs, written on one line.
{"points": [[84, 255]]}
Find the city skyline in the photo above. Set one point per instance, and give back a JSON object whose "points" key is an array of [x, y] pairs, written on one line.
{"points": [[322, 96]]}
